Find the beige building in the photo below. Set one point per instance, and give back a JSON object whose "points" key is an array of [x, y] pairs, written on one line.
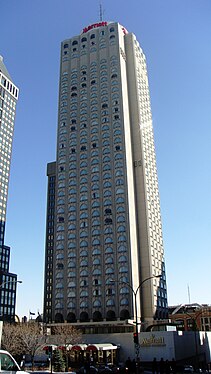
{"points": [[104, 234]]}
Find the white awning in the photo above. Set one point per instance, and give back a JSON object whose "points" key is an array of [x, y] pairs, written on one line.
{"points": [[101, 347]]}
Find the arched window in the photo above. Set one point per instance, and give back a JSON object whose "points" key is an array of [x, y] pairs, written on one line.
{"points": [[110, 302], [72, 236], [59, 275], [71, 284], [83, 180], [84, 263], [96, 204], [122, 259], [96, 251], [124, 301], [83, 234], [107, 176], [60, 246], [72, 245], [84, 304], [108, 240], [123, 269], [121, 229], [96, 242], [71, 254], [107, 202], [83, 243], [107, 193], [120, 200], [84, 293], [60, 256], [60, 237], [108, 230], [96, 304], [95, 232], [59, 285], [120, 219], [96, 272], [109, 260], [120, 209], [109, 271], [84, 273], [122, 238], [108, 250], [96, 261], [71, 294], [106, 184], [84, 215]]}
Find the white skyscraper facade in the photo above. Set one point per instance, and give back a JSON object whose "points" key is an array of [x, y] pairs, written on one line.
{"points": [[104, 234], [8, 100]]}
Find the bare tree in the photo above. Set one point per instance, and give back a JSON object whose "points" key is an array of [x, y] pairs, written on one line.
{"points": [[11, 339], [24, 338], [66, 335], [31, 339]]}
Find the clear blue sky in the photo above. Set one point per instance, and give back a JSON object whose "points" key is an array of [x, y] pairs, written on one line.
{"points": [[176, 38]]}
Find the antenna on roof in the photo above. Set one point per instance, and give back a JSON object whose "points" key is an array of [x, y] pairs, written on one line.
{"points": [[101, 12], [188, 294]]}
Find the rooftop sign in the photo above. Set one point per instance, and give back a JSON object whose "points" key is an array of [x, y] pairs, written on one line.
{"points": [[94, 26]]}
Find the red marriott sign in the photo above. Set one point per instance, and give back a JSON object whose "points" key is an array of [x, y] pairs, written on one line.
{"points": [[94, 26]]}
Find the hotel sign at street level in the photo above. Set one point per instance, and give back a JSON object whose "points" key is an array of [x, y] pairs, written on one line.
{"points": [[94, 26], [153, 341]]}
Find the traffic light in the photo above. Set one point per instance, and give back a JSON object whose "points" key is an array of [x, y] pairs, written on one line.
{"points": [[50, 350], [135, 337], [46, 350]]}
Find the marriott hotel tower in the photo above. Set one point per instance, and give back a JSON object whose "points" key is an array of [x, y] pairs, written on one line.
{"points": [[103, 234]]}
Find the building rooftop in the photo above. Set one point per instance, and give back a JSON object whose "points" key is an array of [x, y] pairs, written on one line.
{"points": [[3, 68]]}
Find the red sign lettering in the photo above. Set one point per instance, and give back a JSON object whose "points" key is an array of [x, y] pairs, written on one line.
{"points": [[94, 26]]}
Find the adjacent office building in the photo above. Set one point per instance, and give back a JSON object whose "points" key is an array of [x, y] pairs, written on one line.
{"points": [[104, 235], [8, 101]]}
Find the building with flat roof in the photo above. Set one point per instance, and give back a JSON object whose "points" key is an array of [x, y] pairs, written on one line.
{"points": [[8, 100], [104, 234]]}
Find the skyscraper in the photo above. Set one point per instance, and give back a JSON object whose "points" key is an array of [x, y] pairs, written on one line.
{"points": [[8, 99], [104, 234]]}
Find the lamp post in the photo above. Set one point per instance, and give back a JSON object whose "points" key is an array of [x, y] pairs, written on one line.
{"points": [[135, 292], [12, 281]]}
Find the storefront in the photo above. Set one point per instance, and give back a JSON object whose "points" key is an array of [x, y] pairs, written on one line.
{"points": [[95, 353]]}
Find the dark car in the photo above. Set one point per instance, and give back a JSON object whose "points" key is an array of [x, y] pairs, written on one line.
{"points": [[88, 370], [119, 368], [104, 369]]}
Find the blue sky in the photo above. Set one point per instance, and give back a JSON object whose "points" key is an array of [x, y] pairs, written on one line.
{"points": [[175, 36]]}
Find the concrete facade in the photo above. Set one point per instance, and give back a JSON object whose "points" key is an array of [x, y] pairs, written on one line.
{"points": [[8, 100], [183, 347], [107, 223]]}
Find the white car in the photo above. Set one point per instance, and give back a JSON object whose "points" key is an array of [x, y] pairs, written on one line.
{"points": [[8, 363]]}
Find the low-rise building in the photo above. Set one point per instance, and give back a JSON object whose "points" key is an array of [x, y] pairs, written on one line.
{"points": [[191, 317]]}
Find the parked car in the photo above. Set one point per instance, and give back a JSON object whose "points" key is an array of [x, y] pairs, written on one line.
{"points": [[188, 369], [105, 369], [118, 369], [8, 363], [88, 370]]}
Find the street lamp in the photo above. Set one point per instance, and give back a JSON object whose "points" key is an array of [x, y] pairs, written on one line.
{"points": [[135, 292], [12, 281]]}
